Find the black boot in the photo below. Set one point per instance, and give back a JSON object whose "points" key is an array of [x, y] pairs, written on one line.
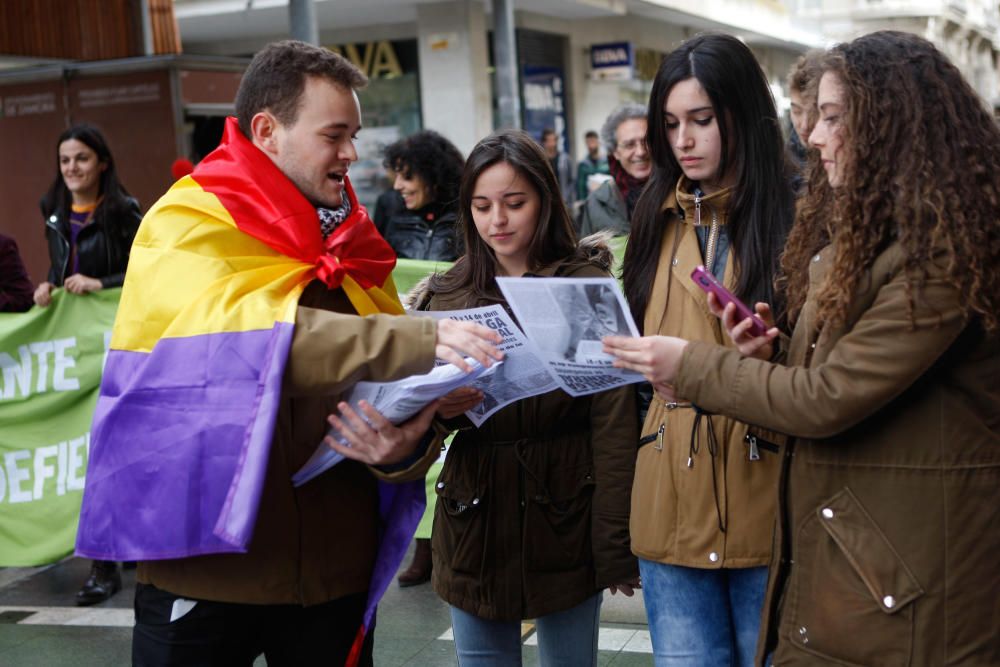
{"points": [[104, 581], [420, 567]]}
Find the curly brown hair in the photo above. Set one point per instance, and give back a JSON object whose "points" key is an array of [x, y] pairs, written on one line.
{"points": [[921, 166]]}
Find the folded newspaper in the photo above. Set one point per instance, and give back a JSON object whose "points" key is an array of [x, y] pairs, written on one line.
{"points": [[558, 346], [397, 401], [567, 318]]}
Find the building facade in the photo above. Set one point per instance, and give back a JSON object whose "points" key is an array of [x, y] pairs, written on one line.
{"points": [[562, 50], [966, 30]]}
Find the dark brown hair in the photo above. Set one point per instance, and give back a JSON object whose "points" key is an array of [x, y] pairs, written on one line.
{"points": [[114, 199], [921, 166], [805, 71], [276, 76], [554, 238], [761, 208]]}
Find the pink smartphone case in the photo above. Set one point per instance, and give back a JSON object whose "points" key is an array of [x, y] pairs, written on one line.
{"points": [[705, 280]]}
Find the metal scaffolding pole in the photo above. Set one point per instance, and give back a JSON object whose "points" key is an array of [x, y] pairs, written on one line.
{"points": [[302, 17], [505, 62]]}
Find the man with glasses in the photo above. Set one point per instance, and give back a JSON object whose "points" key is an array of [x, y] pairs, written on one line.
{"points": [[611, 205]]}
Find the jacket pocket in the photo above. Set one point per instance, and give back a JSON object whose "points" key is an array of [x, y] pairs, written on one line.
{"points": [[459, 534], [557, 523], [852, 595]]}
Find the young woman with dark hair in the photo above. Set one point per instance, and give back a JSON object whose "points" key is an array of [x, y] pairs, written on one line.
{"points": [[427, 170], [90, 222], [886, 551], [90, 219], [532, 512], [704, 499]]}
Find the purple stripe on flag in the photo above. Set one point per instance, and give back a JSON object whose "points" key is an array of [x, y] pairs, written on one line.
{"points": [[179, 446], [400, 507]]}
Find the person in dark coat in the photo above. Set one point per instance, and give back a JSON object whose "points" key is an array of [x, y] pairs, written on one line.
{"points": [[427, 169], [90, 222], [533, 506], [15, 286], [611, 205], [90, 218]]}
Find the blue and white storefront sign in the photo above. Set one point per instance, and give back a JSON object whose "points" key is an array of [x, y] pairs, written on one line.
{"points": [[613, 61]]}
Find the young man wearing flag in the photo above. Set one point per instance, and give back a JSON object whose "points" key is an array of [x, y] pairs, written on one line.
{"points": [[257, 291]]}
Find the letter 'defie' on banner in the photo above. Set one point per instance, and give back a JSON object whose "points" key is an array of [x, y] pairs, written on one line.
{"points": [[50, 372]]}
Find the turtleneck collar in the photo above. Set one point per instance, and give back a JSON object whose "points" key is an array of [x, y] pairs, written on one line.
{"points": [[717, 201]]}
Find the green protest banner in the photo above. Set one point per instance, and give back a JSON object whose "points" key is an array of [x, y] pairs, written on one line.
{"points": [[50, 372]]}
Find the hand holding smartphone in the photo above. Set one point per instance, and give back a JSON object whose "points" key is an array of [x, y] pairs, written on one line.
{"points": [[710, 284]]}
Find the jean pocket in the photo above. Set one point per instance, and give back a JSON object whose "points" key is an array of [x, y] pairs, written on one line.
{"points": [[849, 583]]}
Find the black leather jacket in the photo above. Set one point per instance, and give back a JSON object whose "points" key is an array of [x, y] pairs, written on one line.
{"points": [[102, 246], [412, 236]]}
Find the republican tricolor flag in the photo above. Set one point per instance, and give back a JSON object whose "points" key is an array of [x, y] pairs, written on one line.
{"points": [[183, 425]]}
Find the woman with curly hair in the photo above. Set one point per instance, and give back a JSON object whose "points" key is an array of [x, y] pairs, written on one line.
{"points": [[887, 542], [427, 170]]}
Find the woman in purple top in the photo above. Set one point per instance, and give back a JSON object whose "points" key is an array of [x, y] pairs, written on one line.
{"points": [[90, 222], [90, 219]]}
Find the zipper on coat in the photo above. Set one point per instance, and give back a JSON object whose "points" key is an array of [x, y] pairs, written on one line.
{"points": [[754, 450], [53, 223], [697, 207], [713, 239], [659, 438]]}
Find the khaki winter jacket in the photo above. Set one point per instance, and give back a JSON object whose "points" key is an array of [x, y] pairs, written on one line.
{"points": [[695, 504], [888, 544]]}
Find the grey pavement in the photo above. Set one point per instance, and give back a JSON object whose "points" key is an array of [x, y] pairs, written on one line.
{"points": [[40, 626]]}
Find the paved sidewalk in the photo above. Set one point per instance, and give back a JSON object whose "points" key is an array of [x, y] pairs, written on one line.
{"points": [[40, 626]]}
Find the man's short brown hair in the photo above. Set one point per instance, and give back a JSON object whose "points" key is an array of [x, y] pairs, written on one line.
{"points": [[276, 77], [805, 71]]}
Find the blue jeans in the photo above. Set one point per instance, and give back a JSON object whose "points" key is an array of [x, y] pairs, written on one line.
{"points": [[566, 638], [703, 618]]}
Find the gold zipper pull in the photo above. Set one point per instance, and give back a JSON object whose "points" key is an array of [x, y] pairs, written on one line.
{"points": [[659, 438]]}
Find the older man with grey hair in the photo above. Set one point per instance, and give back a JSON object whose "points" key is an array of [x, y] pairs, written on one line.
{"points": [[610, 206]]}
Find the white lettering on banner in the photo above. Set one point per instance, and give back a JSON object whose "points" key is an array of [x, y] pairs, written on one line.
{"points": [[41, 350], [16, 475], [59, 380], [33, 360], [77, 462], [68, 473], [43, 470]]}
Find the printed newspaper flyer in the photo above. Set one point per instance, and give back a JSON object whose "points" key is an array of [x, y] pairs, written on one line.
{"points": [[397, 401], [557, 347], [522, 373], [566, 318]]}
